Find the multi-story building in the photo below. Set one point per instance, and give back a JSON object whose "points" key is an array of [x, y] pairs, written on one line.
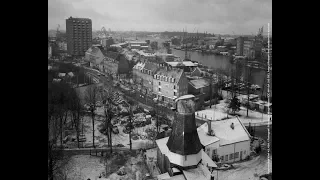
{"points": [[143, 77], [252, 48], [169, 84], [79, 35], [240, 43], [107, 42], [138, 45]]}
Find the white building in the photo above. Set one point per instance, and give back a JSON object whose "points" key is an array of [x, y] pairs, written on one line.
{"points": [[229, 140]]}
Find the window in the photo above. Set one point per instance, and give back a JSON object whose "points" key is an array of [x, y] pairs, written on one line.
{"points": [[173, 80], [159, 83], [231, 156], [236, 155], [221, 158], [244, 152], [226, 157], [214, 151], [174, 86], [159, 89], [174, 93], [185, 158]]}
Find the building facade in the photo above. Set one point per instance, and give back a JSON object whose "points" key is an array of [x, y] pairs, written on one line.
{"points": [[169, 84], [225, 140], [79, 35]]}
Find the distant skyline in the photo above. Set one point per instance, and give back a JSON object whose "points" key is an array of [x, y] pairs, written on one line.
{"points": [[214, 16]]}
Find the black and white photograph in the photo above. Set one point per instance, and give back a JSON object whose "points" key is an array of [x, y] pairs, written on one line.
{"points": [[159, 89]]}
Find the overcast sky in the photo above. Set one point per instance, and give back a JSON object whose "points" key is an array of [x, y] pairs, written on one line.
{"points": [[213, 16]]}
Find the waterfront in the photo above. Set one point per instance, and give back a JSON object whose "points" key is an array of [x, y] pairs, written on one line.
{"points": [[222, 62]]}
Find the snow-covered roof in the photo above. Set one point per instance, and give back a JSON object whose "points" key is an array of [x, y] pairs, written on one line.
{"points": [[139, 66], [161, 143], [185, 63], [70, 74], [62, 74], [206, 160], [163, 176], [199, 173], [205, 139], [223, 131], [199, 83], [186, 97], [56, 80]]}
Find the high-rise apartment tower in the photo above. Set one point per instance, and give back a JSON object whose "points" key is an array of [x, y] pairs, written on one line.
{"points": [[79, 35]]}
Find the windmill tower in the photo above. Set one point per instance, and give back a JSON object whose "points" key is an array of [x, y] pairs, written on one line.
{"points": [[184, 143]]}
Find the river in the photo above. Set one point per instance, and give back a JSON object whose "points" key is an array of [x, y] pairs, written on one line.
{"points": [[258, 76]]}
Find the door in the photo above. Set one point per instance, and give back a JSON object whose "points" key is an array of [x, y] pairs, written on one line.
{"points": [[240, 155]]}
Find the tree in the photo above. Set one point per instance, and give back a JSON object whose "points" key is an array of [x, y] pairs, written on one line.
{"points": [[110, 112], [234, 104], [77, 113], [55, 154], [91, 98]]}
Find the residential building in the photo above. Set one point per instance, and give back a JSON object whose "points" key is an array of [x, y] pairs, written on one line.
{"points": [[181, 155], [143, 77], [225, 140], [116, 64], [169, 84], [95, 55], [200, 88], [79, 35]]}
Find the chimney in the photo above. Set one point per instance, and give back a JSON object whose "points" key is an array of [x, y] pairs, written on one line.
{"points": [[210, 132], [232, 126]]}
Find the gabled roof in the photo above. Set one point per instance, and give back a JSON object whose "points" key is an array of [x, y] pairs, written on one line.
{"points": [[183, 63], [205, 139], [199, 83], [173, 73], [223, 131], [151, 66], [139, 66]]}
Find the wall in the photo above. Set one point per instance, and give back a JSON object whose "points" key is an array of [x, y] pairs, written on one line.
{"points": [[232, 148], [209, 148]]}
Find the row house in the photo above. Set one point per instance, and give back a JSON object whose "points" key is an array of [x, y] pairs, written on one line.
{"points": [[143, 76], [169, 84]]}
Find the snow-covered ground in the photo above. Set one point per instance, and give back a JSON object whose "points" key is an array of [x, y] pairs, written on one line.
{"points": [[255, 118], [121, 138], [247, 170], [83, 167]]}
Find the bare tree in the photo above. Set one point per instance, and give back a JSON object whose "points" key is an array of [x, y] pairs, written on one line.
{"points": [[110, 112], [77, 113], [55, 154], [91, 98]]}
